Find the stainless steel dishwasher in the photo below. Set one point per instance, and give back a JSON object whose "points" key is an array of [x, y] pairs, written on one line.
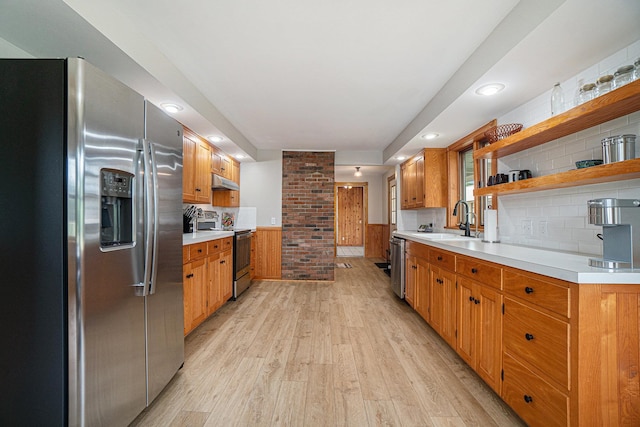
{"points": [[397, 247]]}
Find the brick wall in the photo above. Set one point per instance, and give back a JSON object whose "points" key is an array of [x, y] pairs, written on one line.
{"points": [[307, 215]]}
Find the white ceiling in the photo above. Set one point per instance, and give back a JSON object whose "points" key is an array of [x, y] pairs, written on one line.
{"points": [[352, 75]]}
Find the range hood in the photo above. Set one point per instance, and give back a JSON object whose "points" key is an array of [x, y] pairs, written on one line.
{"points": [[220, 183]]}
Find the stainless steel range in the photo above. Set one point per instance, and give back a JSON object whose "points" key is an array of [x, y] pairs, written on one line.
{"points": [[241, 261]]}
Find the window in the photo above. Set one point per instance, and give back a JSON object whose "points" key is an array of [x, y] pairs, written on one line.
{"points": [[466, 174], [393, 200]]}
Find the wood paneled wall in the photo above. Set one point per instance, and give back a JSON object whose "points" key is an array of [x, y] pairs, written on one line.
{"points": [[268, 244], [377, 241]]}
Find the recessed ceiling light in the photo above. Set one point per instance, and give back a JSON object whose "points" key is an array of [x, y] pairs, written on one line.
{"points": [[431, 135], [171, 108], [489, 89], [400, 157], [216, 138], [239, 156]]}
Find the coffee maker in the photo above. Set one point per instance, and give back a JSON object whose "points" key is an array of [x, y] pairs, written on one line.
{"points": [[620, 221]]}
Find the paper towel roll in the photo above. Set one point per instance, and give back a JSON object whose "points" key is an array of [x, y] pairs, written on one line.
{"points": [[490, 226]]}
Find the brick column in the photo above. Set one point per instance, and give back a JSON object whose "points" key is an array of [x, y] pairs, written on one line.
{"points": [[307, 215]]}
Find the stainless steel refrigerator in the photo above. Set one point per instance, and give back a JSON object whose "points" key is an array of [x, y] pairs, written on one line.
{"points": [[91, 231]]}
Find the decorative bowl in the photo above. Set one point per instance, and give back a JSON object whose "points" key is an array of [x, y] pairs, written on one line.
{"points": [[580, 164], [499, 132]]}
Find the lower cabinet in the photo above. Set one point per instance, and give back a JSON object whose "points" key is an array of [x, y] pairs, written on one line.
{"points": [[410, 280], [443, 304], [478, 343], [208, 279]]}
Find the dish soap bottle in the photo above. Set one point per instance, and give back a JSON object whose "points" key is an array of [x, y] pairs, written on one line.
{"points": [[557, 100]]}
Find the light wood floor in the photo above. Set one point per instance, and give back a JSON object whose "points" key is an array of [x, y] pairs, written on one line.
{"points": [[347, 353]]}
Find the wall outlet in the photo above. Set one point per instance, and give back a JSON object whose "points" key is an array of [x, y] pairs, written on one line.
{"points": [[527, 227], [542, 229], [273, 221]]}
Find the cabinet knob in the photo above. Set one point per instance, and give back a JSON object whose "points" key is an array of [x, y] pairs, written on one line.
{"points": [[197, 189], [222, 262], [189, 276], [528, 398], [474, 270], [528, 290], [476, 301], [528, 336], [439, 258], [199, 250], [471, 299]]}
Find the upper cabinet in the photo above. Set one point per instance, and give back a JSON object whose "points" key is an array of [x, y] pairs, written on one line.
{"points": [[614, 104], [200, 160], [424, 180], [196, 175]]}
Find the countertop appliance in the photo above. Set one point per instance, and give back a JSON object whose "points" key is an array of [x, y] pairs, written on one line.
{"points": [[620, 221], [397, 248], [241, 261], [92, 295]]}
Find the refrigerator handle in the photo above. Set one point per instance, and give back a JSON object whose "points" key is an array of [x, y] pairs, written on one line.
{"points": [[153, 216], [148, 215]]}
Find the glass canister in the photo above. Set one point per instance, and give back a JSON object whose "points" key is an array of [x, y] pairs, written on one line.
{"points": [[603, 85], [586, 93], [623, 76]]}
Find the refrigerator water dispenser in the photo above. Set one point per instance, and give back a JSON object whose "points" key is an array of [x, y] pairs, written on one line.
{"points": [[116, 224]]}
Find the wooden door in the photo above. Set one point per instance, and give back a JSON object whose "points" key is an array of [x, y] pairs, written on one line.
{"points": [[489, 335], [410, 280], [189, 170], [423, 293], [466, 340], [226, 275], [203, 173], [437, 299], [195, 294], [350, 216], [448, 331], [215, 292]]}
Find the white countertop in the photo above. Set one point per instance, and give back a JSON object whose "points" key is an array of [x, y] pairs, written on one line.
{"points": [[204, 236], [561, 265]]}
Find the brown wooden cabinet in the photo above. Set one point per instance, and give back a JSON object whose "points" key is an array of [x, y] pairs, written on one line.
{"points": [[208, 279], [443, 304], [411, 279], [423, 180], [479, 326], [228, 198], [268, 252], [196, 177]]}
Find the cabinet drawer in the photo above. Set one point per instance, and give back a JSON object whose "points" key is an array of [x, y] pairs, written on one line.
{"points": [[197, 251], [214, 246], [417, 249], [227, 243], [535, 401], [536, 290], [485, 273], [442, 259], [537, 339]]}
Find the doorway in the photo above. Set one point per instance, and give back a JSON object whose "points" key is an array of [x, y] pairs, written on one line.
{"points": [[351, 218]]}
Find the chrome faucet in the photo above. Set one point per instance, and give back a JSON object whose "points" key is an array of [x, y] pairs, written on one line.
{"points": [[463, 225]]}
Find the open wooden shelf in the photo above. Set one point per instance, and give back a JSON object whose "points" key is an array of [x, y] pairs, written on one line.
{"points": [[628, 169], [617, 103]]}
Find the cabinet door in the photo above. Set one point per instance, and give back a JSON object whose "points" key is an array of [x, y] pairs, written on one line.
{"points": [[410, 280], [419, 186], [203, 173], [448, 331], [195, 294], [216, 161], [422, 286], [214, 290], [437, 296], [466, 342], [226, 275], [225, 167], [404, 186], [489, 335], [188, 169]]}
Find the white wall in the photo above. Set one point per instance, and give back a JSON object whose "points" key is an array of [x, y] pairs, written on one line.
{"points": [[261, 187], [563, 212]]}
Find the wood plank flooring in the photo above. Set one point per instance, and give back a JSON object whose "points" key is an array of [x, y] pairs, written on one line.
{"points": [[347, 353]]}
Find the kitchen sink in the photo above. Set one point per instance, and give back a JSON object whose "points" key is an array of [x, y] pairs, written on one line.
{"points": [[443, 236]]}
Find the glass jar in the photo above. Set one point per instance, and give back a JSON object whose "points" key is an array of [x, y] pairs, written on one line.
{"points": [[623, 76], [603, 85], [586, 93]]}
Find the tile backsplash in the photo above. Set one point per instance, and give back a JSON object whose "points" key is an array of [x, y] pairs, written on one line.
{"points": [[557, 219]]}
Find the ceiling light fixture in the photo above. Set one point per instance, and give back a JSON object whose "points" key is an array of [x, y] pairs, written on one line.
{"points": [[171, 108], [239, 156], [357, 173], [216, 138], [400, 157], [431, 135], [489, 89]]}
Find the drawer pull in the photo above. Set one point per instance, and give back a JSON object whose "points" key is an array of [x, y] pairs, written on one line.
{"points": [[471, 299], [528, 398], [474, 270], [199, 250], [439, 258], [189, 276], [476, 301], [528, 290], [529, 337]]}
